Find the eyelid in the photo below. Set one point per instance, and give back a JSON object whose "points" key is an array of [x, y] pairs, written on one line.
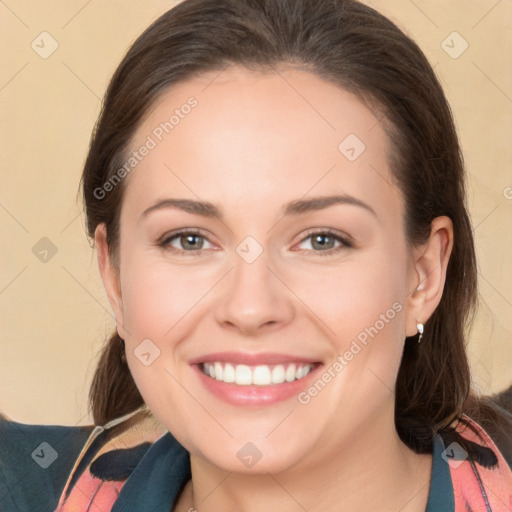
{"points": [[172, 234], [327, 231]]}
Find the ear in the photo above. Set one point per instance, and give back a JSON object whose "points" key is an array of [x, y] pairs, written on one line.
{"points": [[110, 277], [428, 274]]}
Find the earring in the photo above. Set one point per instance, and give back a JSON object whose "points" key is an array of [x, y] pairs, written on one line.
{"points": [[419, 326]]}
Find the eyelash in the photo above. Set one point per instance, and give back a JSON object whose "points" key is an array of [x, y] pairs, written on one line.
{"points": [[345, 242]]}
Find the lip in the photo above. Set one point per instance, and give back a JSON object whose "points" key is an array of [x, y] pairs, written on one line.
{"points": [[254, 396], [251, 359]]}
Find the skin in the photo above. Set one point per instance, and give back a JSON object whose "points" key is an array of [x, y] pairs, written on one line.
{"points": [[252, 144]]}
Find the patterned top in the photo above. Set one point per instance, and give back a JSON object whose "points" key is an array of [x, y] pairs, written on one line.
{"points": [[134, 464]]}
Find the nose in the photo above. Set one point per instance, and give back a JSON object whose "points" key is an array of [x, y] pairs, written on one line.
{"points": [[254, 298]]}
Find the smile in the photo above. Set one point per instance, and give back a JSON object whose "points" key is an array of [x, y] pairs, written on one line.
{"points": [[261, 375]]}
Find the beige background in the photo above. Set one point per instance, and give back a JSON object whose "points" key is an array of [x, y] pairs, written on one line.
{"points": [[55, 315]]}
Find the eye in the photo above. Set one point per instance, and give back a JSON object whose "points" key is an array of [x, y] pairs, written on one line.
{"points": [[323, 242], [188, 240]]}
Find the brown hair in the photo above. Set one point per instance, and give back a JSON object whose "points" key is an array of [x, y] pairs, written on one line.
{"points": [[357, 48]]}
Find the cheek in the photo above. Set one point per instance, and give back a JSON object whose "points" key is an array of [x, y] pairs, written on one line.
{"points": [[361, 308], [158, 297], [347, 298], [161, 307], [364, 309]]}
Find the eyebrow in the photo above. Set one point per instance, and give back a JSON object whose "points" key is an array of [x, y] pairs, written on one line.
{"points": [[296, 207]]}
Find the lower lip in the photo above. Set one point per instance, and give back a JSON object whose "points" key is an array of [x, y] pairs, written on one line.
{"points": [[255, 395]]}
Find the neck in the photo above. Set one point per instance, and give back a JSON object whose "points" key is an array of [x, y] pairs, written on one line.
{"points": [[374, 471]]}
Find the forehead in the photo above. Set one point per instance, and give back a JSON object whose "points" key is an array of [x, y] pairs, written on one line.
{"points": [[238, 137]]}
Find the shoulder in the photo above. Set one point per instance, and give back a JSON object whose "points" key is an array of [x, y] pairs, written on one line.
{"points": [[479, 472], [499, 426], [110, 455], [66, 468], [35, 461]]}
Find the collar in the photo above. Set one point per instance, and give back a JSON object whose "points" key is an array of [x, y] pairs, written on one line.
{"points": [[441, 490], [158, 479], [133, 463]]}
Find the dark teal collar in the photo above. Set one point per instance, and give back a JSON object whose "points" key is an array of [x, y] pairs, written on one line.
{"points": [[157, 480], [164, 470], [441, 489]]}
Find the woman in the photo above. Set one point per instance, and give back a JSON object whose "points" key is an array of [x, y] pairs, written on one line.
{"points": [[276, 193]]}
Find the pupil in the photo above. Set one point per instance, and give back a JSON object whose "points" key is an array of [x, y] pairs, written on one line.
{"points": [[188, 239], [322, 237]]}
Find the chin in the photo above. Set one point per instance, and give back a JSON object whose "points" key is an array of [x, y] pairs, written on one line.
{"points": [[251, 458]]}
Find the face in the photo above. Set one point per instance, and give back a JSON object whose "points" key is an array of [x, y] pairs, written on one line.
{"points": [[269, 324]]}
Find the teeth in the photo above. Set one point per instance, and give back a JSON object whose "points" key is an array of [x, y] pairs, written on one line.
{"points": [[229, 373], [262, 375], [218, 371], [243, 375], [290, 374], [278, 374]]}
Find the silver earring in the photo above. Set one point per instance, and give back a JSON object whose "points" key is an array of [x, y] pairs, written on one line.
{"points": [[419, 326]]}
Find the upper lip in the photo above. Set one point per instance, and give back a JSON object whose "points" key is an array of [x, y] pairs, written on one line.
{"points": [[251, 359]]}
